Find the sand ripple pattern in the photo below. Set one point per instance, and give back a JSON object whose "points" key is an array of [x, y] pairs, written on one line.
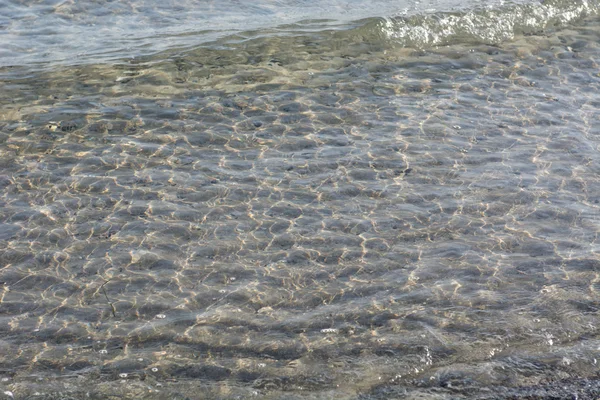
{"points": [[295, 221]]}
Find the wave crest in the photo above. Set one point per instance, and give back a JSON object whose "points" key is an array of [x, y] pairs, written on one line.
{"points": [[482, 25]]}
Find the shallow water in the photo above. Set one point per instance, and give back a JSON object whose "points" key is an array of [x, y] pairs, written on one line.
{"points": [[300, 217], [44, 33]]}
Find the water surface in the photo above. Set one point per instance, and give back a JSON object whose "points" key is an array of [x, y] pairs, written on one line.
{"points": [[336, 213]]}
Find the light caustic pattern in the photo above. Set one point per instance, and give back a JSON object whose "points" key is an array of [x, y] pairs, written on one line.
{"points": [[295, 220]]}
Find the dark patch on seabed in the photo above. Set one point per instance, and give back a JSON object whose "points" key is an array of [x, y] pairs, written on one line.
{"points": [[455, 387], [296, 218]]}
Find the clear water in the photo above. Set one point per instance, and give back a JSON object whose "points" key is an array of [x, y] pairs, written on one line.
{"points": [[49, 32], [305, 213]]}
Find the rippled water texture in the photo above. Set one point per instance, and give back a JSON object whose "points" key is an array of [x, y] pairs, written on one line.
{"points": [[44, 33], [304, 219]]}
